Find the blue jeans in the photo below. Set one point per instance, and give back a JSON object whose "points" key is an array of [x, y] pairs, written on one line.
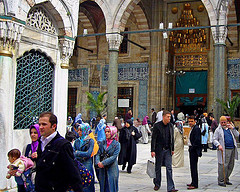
{"points": [[164, 157]]}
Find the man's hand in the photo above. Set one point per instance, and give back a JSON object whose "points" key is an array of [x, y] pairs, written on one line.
{"points": [[172, 152], [153, 154], [133, 133], [220, 148], [230, 126], [100, 165]]}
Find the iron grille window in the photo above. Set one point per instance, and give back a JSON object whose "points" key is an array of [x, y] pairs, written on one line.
{"points": [[124, 45], [34, 88]]}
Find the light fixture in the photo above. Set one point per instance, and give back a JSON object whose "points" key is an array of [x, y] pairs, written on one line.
{"points": [[85, 32], [161, 26], [178, 73], [64, 65], [165, 36]]}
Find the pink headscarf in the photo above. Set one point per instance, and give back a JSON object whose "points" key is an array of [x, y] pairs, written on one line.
{"points": [[144, 122], [113, 132]]}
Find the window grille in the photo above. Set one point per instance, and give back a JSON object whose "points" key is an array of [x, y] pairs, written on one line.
{"points": [[34, 88]]}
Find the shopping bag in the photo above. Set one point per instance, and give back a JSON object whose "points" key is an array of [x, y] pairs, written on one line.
{"points": [[210, 137], [151, 169]]}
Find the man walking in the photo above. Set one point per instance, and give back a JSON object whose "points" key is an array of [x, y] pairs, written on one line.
{"points": [[195, 151], [224, 140], [154, 116], [55, 167], [162, 148]]}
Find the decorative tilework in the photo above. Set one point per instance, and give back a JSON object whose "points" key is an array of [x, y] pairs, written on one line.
{"points": [[233, 74], [78, 75], [133, 71]]}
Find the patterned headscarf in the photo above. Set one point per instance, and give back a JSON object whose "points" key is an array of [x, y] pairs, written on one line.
{"points": [[85, 127], [34, 144], [113, 132]]}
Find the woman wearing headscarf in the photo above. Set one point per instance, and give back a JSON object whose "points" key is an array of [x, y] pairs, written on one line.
{"points": [[106, 161], [178, 156], [83, 148], [100, 129], [30, 149], [128, 139], [204, 132], [145, 130]]}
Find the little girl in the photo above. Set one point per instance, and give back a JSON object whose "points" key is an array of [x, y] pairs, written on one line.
{"points": [[18, 164]]}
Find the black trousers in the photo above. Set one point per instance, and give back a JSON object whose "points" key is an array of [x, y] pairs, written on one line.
{"points": [[194, 167]]}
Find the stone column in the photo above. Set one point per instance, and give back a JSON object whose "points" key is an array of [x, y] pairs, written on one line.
{"points": [[10, 35], [114, 41], [219, 36]]}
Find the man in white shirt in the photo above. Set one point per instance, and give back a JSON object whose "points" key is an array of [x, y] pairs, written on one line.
{"points": [[160, 116]]}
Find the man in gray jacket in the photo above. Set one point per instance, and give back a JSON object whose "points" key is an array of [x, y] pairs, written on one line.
{"points": [[224, 140]]}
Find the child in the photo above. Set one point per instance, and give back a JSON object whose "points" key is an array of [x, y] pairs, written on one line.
{"points": [[18, 165]]}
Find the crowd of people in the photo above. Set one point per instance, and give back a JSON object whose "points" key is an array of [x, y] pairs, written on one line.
{"points": [[53, 163]]}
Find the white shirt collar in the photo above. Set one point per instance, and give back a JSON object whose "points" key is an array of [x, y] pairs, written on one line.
{"points": [[46, 140]]}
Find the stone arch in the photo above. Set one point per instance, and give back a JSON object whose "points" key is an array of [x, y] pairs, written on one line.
{"points": [[142, 24], [87, 24], [58, 9], [3, 7], [232, 31]]}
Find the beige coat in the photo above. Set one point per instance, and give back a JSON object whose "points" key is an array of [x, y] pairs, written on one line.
{"points": [[218, 139]]}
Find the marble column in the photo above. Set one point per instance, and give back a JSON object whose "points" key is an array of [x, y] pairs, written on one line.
{"points": [[10, 34], [219, 77], [219, 36], [114, 41]]}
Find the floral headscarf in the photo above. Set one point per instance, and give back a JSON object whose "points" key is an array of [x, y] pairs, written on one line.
{"points": [[34, 144], [113, 132], [85, 127]]}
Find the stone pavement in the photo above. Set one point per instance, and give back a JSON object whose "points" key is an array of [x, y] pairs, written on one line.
{"points": [[138, 180]]}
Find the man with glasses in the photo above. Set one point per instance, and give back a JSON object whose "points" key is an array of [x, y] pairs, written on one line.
{"points": [[224, 140], [195, 151]]}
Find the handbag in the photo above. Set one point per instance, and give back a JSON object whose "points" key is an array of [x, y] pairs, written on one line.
{"points": [[86, 175], [151, 169]]}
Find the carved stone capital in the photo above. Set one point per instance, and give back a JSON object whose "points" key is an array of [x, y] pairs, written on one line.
{"points": [[114, 41], [219, 34], [66, 51], [10, 36]]}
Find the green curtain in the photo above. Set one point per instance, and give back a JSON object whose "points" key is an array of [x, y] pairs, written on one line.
{"points": [[192, 80]]}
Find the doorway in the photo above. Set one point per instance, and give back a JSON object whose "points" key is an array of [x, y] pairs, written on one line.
{"points": [[125, 100]]}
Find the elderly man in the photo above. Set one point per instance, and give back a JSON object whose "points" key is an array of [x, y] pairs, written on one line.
{"points": [[224, 140]]}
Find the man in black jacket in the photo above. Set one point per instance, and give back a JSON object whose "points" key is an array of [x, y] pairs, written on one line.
{"points": [[55, 167], [162, 148], [195, 151]]}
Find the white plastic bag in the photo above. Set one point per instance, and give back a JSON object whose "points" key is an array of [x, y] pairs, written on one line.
{"points": [[151, 169]]}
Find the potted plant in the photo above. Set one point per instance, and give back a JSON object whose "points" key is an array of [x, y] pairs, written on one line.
{"points": [[230, 106]]}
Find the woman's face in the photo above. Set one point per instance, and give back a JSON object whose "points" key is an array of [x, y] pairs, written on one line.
{"points": [[108, 133], [34, 134], [79, 132], [127, 124]]}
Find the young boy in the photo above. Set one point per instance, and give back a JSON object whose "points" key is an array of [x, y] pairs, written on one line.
{"points": [[18, 164]]}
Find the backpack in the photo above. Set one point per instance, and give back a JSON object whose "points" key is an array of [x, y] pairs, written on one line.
{"points": [[27, 178], [85, 174], [96, 147]]}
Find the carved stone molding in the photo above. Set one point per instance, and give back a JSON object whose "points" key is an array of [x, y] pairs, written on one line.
{"points": [[114, 41], [10, 36], [66, 51]]}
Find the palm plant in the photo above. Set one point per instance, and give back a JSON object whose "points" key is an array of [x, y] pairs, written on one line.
{"points": [[230, 106], [95, 104]]}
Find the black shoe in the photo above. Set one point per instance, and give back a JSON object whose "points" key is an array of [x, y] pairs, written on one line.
{"points": [[228, 183], [156, 188], [222, 184], [123, 167], [129, 171]]}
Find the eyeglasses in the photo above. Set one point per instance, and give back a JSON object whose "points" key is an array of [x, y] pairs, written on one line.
{"points": [[223, 122]]}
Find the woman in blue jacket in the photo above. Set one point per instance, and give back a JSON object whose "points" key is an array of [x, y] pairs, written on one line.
{"points": [[83, 148], [106, 161]]}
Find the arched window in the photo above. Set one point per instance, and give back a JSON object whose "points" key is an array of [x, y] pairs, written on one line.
{"points": [[34, 88]]}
